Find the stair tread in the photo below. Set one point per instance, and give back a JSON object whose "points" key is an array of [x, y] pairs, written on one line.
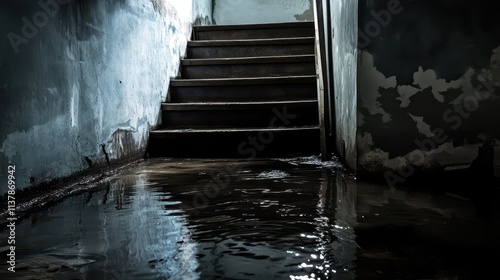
{"points": [[224, 130], [234, 105], [243, 81], [255, 26], [244, 103], [251, 42], [249, 60]]}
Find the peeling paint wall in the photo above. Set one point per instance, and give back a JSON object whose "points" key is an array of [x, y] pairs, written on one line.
{"points": [[344, 17], [428, 83], [81, 82], [262, 11]]}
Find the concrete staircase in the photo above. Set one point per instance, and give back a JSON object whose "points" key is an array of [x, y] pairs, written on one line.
{"points": [[245, 91]]}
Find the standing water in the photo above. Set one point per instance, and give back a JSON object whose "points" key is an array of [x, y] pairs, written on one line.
{"points": [[271, 219]]}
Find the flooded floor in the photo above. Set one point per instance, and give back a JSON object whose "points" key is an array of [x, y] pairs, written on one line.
{"points": [[270, 219]]}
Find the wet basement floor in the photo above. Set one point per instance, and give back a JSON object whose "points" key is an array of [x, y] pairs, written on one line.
{"points": [[270, 219]]}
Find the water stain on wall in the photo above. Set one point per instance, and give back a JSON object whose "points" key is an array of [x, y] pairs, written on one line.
{"points": [[432, 81], [394, 118], [308, 14]]}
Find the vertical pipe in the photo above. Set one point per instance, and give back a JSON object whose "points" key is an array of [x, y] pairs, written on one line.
{"points": [[324, 89], [331, 92]]}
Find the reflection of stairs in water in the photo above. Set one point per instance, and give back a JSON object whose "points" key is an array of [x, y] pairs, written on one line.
{"points": [[244, 91]]}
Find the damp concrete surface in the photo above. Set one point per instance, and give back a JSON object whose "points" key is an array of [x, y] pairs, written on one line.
{"points": [[295, 218]]}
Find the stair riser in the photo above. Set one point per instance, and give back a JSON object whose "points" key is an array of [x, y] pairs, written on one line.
{"points": [[289, 32], [262, 117], [243, 93], [249, 51], [248, 70], [237, 145]]}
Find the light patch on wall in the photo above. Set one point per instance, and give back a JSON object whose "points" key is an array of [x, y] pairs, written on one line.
{"points": [[308, 14], [123, 143], [406, 93], [371, 157], [372, 81], [128, 138], [376, 160], [75, 104], [488, 77], [422, 127], [428, 79], [53, 91], [202, 12], [467, 85], [69, 53]]}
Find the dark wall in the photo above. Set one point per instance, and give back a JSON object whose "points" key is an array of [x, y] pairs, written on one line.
{"points": [[428, 82]]}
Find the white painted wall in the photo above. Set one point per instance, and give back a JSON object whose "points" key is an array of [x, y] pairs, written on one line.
{"points": [[344, 19], [261, 11], [93, 74]]}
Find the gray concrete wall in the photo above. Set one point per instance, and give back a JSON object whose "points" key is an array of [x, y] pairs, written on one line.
{"points": [[344, 17], [261, 11], [428, 83], [81, 82]]}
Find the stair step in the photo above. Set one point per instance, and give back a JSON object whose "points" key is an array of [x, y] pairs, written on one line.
{"points": [[235, 143], [202, 106], [272, 66], [250, 48], [243, 89], [246, 91], [239, 115], [255, 31], [169, 133]]}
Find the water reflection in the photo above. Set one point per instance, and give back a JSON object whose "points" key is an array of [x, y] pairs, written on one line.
{"points": [[276, 220], [336, 251], [263, 226], [135, 236], [280, 219], [120, 232]]}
